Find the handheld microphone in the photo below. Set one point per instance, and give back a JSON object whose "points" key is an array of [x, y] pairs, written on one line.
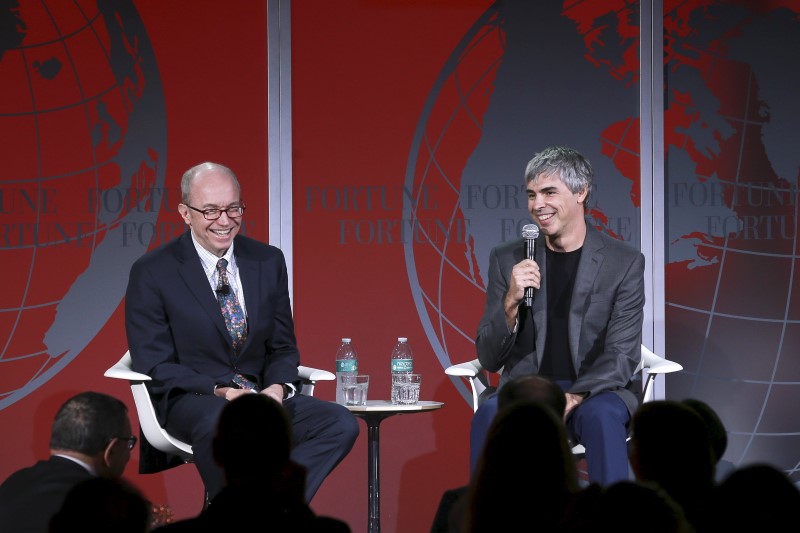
{"points": [[529, 232]]}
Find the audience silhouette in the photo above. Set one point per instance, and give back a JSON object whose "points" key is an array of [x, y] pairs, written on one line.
{"points": [[624, 507], [252, 444], [526, 462], [533, 388], [452, 506], [717, 434], [526, 477], [91, 436], [757, 497], [671, 448], [102, 505]]}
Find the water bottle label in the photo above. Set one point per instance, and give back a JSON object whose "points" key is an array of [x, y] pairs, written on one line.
{"points": [[402, 365], [347, 365]]}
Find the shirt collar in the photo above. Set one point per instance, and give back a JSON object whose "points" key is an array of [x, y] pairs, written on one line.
{"points": [[210, 260], [86, 466]]}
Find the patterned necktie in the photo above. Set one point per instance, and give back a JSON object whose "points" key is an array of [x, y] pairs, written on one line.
{"points": [[231, 310]]}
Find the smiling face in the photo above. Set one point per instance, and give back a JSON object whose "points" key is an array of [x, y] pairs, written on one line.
{"points": [[557, 211], [212, 189]]}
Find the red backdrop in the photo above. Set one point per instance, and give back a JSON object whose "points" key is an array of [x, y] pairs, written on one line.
{"points": [[352, 126], [364, 75], [361, 73], [212, 65]]}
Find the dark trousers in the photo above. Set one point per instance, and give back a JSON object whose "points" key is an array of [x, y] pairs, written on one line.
{"points": [[600, 423], [323, 434]]}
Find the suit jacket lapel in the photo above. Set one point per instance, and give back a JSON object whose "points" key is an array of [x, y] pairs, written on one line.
{"points": [[248, 274], [191, 270], [588, 267], [540, 301]]}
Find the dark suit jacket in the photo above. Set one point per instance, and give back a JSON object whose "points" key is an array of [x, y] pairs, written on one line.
{"points": [[176, 333], [30, 497], [605, 318]]}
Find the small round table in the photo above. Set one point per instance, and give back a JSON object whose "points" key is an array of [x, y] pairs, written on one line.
{"points": [[373, 414]]}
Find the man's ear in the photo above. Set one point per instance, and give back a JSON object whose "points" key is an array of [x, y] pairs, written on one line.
{"points": [[184, 212], [582, 195], [109, 453]]}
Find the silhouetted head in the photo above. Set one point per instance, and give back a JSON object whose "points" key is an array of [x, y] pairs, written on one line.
{"points": [[670, 446], [757, 498], [714, 425], [533, 388], [100, 505], [253, 438], [526, 462]]}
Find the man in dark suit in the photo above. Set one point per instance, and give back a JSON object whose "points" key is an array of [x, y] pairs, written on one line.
{"points": [[91, 436], [584, 328], [208, 318]]}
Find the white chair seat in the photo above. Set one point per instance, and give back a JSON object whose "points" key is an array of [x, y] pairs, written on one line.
{"points": [[156, 435], [651, 365]]}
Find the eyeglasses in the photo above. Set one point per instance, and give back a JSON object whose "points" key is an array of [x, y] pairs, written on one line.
{"points": [[130, 441], [214, 213]]}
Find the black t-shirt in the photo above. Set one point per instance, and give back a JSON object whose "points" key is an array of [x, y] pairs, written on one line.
{"points": [[561, 270]]}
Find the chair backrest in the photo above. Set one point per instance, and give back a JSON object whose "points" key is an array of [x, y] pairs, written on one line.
{"points": [[473, 372], [156, 435], [653, 365]]}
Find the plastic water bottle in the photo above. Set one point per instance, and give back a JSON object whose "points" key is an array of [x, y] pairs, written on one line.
{"points": [[402, 362], [346, 364]]}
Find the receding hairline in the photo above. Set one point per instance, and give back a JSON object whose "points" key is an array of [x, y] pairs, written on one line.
{"points": [[201, 169]]}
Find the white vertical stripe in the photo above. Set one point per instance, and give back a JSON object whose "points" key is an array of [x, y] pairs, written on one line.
{"points": [[651, 105], [279, 109]]}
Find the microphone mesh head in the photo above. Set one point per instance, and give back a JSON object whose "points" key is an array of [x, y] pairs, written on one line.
{"points": [[530, 231]]}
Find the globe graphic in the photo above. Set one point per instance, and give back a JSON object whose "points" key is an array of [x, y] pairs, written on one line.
{"points": [[732, 314], [83, 128], [731, 196], [487, 101]]}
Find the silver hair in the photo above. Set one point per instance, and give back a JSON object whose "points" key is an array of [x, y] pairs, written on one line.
{"points": [[192, 173], [569, 165]]}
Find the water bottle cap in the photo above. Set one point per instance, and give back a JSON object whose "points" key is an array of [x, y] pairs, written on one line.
{"points": [[346, 339], [402, 339]]}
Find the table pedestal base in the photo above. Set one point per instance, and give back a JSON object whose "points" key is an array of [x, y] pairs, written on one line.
{"points": [[373, 414], [373, 421]]}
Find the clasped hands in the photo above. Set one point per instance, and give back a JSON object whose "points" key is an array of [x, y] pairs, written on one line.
{"points": [[274, 391]]}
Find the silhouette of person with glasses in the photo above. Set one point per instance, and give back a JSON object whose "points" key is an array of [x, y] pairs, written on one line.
{"points": [[91, 437]]}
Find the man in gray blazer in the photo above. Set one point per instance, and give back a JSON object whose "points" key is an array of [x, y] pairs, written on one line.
{"points": [[584, 327]]}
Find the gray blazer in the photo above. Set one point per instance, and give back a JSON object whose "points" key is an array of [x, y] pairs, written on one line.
{"points": [[605, 319]]}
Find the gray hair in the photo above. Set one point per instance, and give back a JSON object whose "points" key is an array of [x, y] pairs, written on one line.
{"points": [[569, 165], [192, 173]]}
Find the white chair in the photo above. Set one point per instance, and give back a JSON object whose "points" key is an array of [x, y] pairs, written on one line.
{"points": [[651, 365], [156, 435]]}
